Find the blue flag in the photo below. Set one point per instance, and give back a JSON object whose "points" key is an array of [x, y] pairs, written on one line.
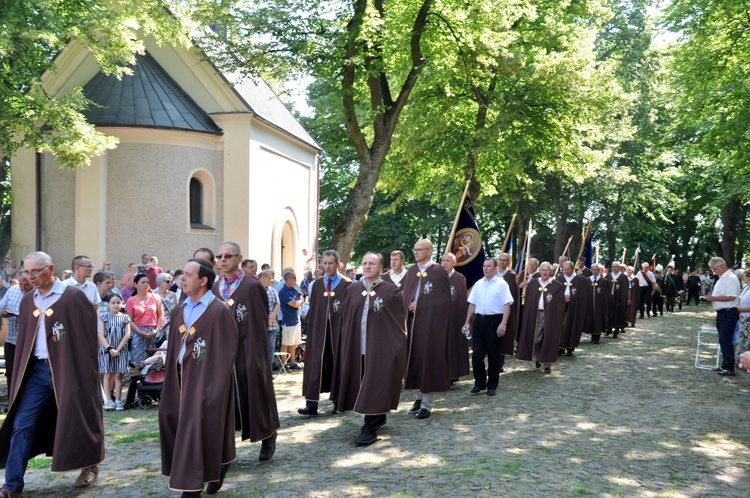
{"points": [[468, 245], [519, 263], [588, 251]]}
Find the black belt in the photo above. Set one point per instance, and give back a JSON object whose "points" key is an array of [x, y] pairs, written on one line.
{"points": [[42, 360], [726, 309], [498, 315]]}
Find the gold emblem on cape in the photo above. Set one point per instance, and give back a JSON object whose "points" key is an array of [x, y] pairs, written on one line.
{"points": [[421, 274], [398, 284], [326, 294], [542, 289], [37, 312], [230, 302], [595, 284], [568, 283], [190, 331], [364, 292], [182, 329]]}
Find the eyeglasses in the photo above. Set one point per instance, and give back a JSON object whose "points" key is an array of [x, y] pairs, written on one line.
{"points": [[35, 273], [226, 256], [417, 249], [89, 267], [168, 281], [505, 260]]}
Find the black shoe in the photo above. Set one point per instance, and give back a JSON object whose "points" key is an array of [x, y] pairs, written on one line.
{"points": [[595, 338], [416, 406], [365, 438], [717, 369], [268, 447], [641, 317], [490, 392], [423, 413], [334, 411], [295, 366], [476, 390], [569, 353], [191, 494], [538, 364], [502, 370], [214, 487], [560, 352], [309, 411], [615, 334], [727, 373]]}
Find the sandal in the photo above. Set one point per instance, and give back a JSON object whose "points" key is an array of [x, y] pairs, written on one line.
{"points": [[159, 364], [140, 366], [88, 477]]}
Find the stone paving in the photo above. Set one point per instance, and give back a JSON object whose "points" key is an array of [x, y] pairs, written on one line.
{"points": [[628, 417]]}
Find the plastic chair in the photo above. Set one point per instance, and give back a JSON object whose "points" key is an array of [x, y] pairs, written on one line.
{"points": [[708, 344]]}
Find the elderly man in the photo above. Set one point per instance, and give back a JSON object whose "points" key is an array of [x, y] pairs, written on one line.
{"points": [[581, 268], [576, 308], [725, 300], [132, 269], [57, 339], [619, 300], [427, 300], [646, 280], [82, 268], [458, 346], [196, 413], [323, 334], [248, 301], [397, 272], [599, 296], [487, 315], [372, 357], [543, 313], [10, 306], [291, 301]]}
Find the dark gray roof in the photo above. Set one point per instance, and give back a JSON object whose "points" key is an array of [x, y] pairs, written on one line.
{"points": [[149, 98]]}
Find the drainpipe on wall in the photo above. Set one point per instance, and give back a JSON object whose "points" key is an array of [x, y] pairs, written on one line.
{"points": [[38, 201]]}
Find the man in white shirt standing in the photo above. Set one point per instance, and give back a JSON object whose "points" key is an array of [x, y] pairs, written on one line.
{"points": [[725, 301], [398, 272], [82, 269], [489, 307]]}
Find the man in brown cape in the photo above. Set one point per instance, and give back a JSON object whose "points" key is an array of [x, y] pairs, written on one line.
{"points": [[581, 268], [634, 296], [543, 313], [397, 272], [196, 413], [619, 300], [458, 346], [598, 316], [372, 356], [323, 334], [576, 308], [427, 301], [57, 338], [508, 341], [256, 414]]}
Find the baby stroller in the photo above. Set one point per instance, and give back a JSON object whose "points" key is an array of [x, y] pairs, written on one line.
{"points": [[145, 389]]}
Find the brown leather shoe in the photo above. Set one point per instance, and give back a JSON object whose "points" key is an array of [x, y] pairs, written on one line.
{"points": [[88, 477], [4, 493]]}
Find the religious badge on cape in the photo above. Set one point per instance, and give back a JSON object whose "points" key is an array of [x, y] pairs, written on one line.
{"points": [[549, 297], [199, 349], [336, 306], [377, 305], [453, 291], [241, 313], [573, 291], [58, 332], [427, 289], [598, 290], [617, 286]]}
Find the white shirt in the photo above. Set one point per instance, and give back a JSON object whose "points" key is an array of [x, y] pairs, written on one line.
{"points": [[421, 268], [568, 279], [42, 302], [614, 276], [541, 295], [397, 277], [727, 285], [489, 297], [744, 300], [642, 280], [86, 287]]}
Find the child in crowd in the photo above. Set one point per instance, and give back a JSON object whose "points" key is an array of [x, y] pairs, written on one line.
{"points": [[114, 333]]}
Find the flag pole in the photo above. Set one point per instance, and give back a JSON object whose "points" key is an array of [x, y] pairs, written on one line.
{"points": [[624, 253], [567, 246], [526, 262], [510, 231], [458, 214], [583, 241]]}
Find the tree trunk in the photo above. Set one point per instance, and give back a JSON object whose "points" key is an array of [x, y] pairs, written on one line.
{"points": [[731, 212], [561, 223]]}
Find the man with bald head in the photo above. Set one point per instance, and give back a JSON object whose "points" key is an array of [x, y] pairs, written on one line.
{"points": [[57, 339], [576, 308], [458, 346], [427, 302]]}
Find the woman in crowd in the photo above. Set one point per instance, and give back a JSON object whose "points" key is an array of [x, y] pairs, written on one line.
{"points": [[743, 337], [146, 311]]}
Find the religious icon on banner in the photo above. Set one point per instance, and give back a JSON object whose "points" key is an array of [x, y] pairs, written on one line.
{"points": [[466, 245]]}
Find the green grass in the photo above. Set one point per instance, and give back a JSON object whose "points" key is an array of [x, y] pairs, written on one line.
{"points": [[511, 468], [581, 490], [42, 462], [122, 438]]}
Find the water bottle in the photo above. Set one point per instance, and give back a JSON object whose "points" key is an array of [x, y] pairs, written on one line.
{"points": [[467, 332]]}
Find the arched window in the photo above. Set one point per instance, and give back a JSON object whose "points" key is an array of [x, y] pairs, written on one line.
{"points": [[196, 203]]}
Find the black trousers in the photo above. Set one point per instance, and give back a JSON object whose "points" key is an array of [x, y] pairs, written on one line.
{"points": [[486, 343], [726, 322], [693, 293], [10, 352], [373, 423], [657, 303], [645, 300]]}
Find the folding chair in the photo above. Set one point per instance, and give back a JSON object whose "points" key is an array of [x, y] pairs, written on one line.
{"points": [[283, 358], [708, 346]]}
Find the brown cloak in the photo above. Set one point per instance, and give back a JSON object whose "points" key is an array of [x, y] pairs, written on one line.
{"points": [[325, 311], [635, 299], [458, 346], [584, 272], [256, 414], [376, 388], [70, 428], [576, 311], [507, 342], [618, 301], [196, 416], [387, 277], [428, 364], [554, 312], [599, 296]]}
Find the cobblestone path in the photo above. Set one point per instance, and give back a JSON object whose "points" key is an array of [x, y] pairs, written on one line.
{"points": [[628, 417]]}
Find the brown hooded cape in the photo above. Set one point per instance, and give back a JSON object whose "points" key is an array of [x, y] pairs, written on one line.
{"points": [[256, 414], [196, 415], [554, 311], [428, 364], [458, 346], [374, 387], [70, 428], [618, 303], [598, 316], [325, 311], [576, 311], [507, 341], [635, 298]]}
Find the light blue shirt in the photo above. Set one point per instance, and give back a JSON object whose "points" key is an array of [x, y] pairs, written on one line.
{"points": [[42, 302], [334, 282], [191, 311]]}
